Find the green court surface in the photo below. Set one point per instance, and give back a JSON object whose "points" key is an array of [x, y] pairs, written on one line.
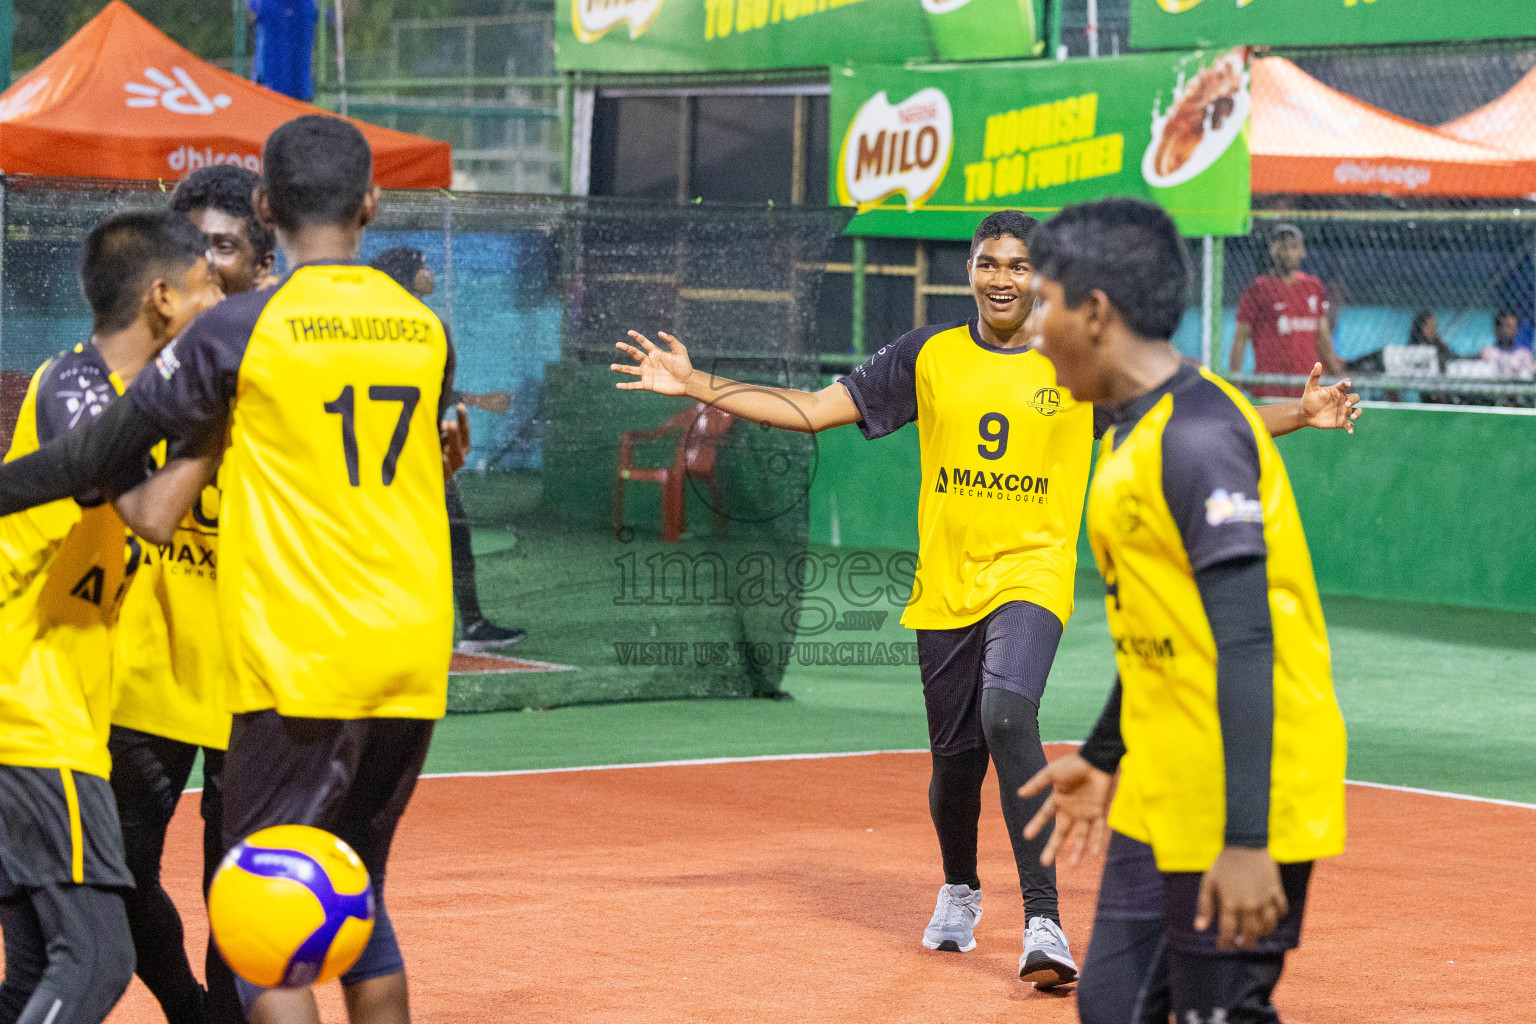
{"points": [[1435, 697]]}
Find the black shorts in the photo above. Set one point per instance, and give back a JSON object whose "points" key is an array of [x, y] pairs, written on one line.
{"points": [[1012, 648], [351, 777], [58, 827], [1145, 959]]}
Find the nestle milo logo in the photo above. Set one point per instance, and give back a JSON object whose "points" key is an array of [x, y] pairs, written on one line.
{"points": [[902, 148], [591, 19]]}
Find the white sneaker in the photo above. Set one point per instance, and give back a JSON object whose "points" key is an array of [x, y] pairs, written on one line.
{"points": [[953, 928], [1047, 959]]}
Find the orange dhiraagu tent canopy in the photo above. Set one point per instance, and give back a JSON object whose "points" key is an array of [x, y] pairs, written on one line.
{"points": [[1308, 138], [1508, 123], [121, 100]]}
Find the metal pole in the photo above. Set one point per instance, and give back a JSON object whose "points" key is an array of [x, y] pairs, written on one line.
{"points": [[1093, 28], [919, 285], [684, 147], [859, 258], [1053, 26], [237, 9], [1207, 245], [341, 61], [797, 155], [1218, 292]]}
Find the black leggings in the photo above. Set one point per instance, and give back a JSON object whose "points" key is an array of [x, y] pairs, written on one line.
{"points": [[1010, 723], [465, 592], [68, 954], [148, 775]]}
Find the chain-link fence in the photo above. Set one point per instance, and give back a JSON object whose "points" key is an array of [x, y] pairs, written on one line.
{"points": [[485, 83], [650, 549]]}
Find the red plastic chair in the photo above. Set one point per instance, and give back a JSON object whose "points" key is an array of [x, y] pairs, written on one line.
{"points": [[700, 428]]}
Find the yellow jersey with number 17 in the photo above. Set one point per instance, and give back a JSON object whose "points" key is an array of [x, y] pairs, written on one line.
{"points": [[334, 580], [1005, 455], [63, 570]]}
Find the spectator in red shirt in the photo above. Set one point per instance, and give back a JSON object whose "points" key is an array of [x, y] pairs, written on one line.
{"points": [[1285, 314]]}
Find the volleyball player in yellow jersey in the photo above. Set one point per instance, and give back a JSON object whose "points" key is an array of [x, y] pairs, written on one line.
{"points": [[334, 589], [1222, 723], [63, 572], [1005, 453], [170, 670]]}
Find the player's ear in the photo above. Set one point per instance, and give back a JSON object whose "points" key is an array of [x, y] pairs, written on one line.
{"points": [[1097, 313], [160, 300], [370, 208], [262, 205]]}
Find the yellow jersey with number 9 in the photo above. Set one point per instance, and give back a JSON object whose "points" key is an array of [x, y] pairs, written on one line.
{"points": [[1005, 454], [334, 577]]}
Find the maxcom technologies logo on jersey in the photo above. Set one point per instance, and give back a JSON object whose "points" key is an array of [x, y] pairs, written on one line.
{"points": [[984, 483]]}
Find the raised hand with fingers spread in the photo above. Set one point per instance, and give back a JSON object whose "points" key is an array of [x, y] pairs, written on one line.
{"points": [[664, 371], [1079, 803], [1332, 407]]}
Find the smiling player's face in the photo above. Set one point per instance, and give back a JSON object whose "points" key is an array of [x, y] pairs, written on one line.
{"points": [[1000, 273]]}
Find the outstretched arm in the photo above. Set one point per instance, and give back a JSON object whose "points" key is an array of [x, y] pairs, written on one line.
{"points": [[1326, 408], [670, 372], [105, 454]]}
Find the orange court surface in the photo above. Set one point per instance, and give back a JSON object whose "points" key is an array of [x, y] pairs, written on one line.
{"points": [[797, 890]]}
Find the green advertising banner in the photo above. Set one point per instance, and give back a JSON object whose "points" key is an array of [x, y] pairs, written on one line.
{"points": [[662, 36], [928, 152], [1181, 24]]}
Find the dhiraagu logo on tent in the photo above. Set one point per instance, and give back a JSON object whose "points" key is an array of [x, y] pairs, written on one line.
{"points": [[591, 19], [902, 148]]}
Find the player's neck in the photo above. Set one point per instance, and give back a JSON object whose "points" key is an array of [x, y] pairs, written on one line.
{"points": [[1286, 276], [320, 243], [129, 350], [1138, 366], [1001, 338]]}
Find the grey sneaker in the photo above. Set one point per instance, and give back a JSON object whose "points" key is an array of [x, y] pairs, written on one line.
{"points": [[953, 928], [1047, 960]]}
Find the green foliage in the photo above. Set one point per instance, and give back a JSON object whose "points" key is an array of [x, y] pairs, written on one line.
{"points": [[206, 27]]}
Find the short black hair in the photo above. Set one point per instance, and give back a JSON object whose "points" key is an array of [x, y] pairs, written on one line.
{"points": [[1128, 249], [1280, 231], [316, 170], [1005, 222], [401, 263], [226, 188], [125, 253]]}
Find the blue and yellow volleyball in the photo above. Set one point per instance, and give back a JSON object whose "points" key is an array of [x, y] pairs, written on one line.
{"points": [[290, 907]]}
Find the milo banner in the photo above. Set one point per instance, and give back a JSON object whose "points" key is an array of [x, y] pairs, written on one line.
{"points": [[926, 153], [660, 36], [1163, 24]]}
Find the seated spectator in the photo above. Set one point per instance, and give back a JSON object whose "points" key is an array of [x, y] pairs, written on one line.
{"points": [[1425, 330], [1511, 360]]}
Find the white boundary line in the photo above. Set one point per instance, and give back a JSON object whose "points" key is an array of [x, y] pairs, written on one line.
{"points": [[871, 753], [923, 750]]}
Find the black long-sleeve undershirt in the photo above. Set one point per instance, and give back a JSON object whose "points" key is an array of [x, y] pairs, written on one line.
{"points": [[1235, 594], [103, 455]]}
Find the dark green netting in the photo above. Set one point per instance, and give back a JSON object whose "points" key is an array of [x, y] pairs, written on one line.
{"points": [[536, 290]]}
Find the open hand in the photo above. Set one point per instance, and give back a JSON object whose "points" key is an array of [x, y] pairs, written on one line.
{"points": [[1079, 802], [1331, 407], [455, 438], [1242, 891], [662, 371]]}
